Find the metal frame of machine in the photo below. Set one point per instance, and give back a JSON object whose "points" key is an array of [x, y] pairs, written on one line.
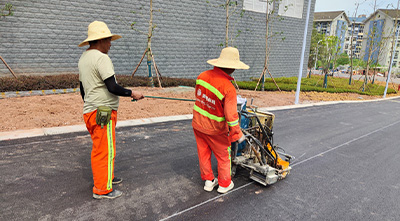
{"points": [[258, 153]]}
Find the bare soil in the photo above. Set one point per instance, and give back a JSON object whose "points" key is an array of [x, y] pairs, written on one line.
{"points": [[22, 113]]}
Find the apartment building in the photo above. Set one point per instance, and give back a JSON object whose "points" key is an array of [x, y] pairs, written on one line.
{"points": [[332, 23], [357, 25], [379, 37]]}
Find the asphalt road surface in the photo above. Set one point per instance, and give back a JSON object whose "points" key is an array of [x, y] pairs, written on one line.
{"points": [[347, 167]]}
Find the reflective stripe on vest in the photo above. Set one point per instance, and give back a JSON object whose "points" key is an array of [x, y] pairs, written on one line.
{"points": [[233, 123], [208, 115], [210, 88]]}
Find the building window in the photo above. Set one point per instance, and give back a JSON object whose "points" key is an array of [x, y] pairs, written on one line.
{"points": [[291, 8], [257, 6]]}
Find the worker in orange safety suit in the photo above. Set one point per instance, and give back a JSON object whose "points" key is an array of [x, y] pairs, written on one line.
{"points": [[215, 118], [100, 93]]}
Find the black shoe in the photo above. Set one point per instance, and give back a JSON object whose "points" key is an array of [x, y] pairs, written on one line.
{"points": [[111, 195], [116, 180]]}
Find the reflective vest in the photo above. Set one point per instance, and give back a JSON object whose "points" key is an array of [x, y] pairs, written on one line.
{"points": [[215, 109]]}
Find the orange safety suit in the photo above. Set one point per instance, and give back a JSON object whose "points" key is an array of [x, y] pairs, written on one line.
{"points": [[103, 151], [215, 123]]}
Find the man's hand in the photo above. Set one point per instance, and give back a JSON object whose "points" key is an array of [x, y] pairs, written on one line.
{"points": [[242, 138], [136, 95]]}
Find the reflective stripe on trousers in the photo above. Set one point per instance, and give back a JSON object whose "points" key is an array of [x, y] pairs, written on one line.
{"points": [[103, 152]]}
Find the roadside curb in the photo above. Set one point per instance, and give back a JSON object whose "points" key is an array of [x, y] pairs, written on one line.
{"points": [[18, 134], [11, 94]]}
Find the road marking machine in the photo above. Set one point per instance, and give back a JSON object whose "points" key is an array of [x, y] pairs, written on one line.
{"points": [[267, 162]]}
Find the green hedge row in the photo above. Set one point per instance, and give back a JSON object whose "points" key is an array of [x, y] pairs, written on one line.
{"points": [[315, 83], [27, 83]]}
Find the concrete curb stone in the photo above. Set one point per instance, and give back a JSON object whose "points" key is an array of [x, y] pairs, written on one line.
{"points": [[18, 134]]}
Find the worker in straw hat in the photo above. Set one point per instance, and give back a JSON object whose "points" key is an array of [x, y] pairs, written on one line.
{"points": [[100, 93], [215, 118]]}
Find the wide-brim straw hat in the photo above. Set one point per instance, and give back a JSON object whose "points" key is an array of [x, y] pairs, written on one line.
{"points": [[98, 30], [229, 58]]}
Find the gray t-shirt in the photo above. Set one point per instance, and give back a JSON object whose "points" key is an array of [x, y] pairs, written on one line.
{"points": [[94, 68]]}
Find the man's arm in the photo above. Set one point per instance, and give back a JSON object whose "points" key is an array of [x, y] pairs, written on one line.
{"points": [[116, 89], [82, 91], [232, 117]]}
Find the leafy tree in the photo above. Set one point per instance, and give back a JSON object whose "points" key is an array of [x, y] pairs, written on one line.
{"points": [[329, 48], [7, 10], [359, 64], [148, 51], [316, 39], [270, 16], [357, 4], [231, 9], [343, 59]]}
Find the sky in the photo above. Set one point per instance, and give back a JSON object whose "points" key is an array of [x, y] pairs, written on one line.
{"points": [[365, 6]]}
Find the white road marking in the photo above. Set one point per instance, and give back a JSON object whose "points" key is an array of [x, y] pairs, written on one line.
{"points": [[298, 163], [346, 143], [207, 201]]}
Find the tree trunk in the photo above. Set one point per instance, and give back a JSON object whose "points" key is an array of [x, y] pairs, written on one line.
{"points": [[227, 23], [351, 51], [149, 52], [266, 47]]}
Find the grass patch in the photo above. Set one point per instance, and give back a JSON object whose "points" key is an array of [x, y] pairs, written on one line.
{"points": [[315, 83]]}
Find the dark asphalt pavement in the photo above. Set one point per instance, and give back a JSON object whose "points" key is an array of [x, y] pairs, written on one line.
{"points": [[347, 167]]}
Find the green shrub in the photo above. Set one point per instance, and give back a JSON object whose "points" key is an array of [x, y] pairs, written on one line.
{"points": [[27, 83], [315, 83]]}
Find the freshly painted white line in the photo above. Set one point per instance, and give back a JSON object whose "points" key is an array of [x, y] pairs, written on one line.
{"points": [[295, 164], [346, 143], [207, 201]]}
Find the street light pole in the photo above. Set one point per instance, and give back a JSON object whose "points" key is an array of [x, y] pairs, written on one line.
{"points": [[297, 96], [394, 45]]}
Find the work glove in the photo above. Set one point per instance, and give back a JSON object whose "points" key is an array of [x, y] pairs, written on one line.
{"points": [[242, 138]]}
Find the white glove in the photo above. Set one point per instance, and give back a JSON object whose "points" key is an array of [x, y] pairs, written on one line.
{"points": [[242, 138]]}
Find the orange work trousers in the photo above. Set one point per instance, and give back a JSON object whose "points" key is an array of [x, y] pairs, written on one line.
{"points": [[221, 147], [103, 151]]}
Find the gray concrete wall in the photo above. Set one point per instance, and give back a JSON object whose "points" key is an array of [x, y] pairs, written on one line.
{"points": [[42, 37]]}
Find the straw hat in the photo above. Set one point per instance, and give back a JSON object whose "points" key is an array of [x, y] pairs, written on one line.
{"points": [[229, 58], [98, 30]]}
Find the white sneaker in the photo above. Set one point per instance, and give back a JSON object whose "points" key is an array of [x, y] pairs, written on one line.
{"points": [[209, 185], [225, 189]]}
